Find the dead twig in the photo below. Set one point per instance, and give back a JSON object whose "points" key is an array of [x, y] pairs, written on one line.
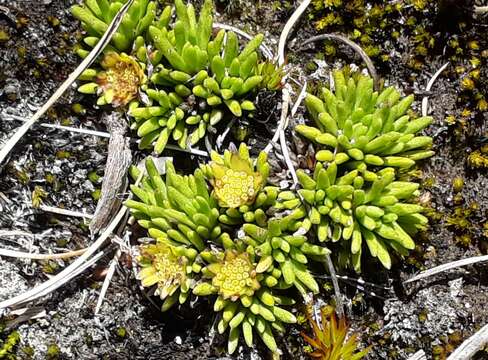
{"points": [[480, 10], [114, 180], [425, 99], [64, 212], [367, 60], [14, 233], [471, 346], [71, 270], [108, 278], [24, 315], [285, 106], [281, 132], [86, 265], [335, 283], [419, 355], [282, 127], [284, 123], [264, 49], [287, 29], [104, 41], [33, 256], [103, 134], [79, 130], [446, 267]]}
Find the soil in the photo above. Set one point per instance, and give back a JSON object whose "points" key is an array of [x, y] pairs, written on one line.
{"points": [[435, 315]]}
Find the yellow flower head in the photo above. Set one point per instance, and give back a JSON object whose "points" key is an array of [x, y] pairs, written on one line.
{"points": [[121, 79], [237, 184], [235, 276], [161, 266]]}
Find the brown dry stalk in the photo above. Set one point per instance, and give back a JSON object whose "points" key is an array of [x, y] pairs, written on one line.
{"points": [[115, 179]]}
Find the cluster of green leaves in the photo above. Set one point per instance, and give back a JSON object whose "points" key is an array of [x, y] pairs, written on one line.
{"points": [[96, 16], [363, 126], [364, 138], [214, 237], [193, 78]]}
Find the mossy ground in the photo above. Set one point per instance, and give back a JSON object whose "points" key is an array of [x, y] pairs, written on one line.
{"points": [[36, 55]]}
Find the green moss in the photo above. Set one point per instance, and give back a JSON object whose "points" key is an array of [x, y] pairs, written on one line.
{"points": [[23, 176], [62, 242], [4, 36], [53, 352], [457, 184], [28, 351], [50, 267], [38, 195], [7, 347], [78, 109], [53, 21], [63, 154], [82, 226], [93, 177], [50, 178], [96, 194], [121, 332], [241, 131], [429, 182], [479, 158], [21, 52], [422, 316], [375, 327], [66, 122], [88, 340]]}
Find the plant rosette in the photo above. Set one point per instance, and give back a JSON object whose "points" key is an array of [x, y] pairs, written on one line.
{"points": [[243, 300]]}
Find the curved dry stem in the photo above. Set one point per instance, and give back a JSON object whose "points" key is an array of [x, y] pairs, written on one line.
{"points": [[446, 267], [14, 233], [425, 99], [33, 256], [65, 212], [367, 60], [102, 134], [264, 49], [71, 270], [287, 29], [79, 130], [108, 278], [480, 10], [471, 346], [107, 36], [335, 283], [284, 123], [419, 355], [69, 277], [283, 144]]}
